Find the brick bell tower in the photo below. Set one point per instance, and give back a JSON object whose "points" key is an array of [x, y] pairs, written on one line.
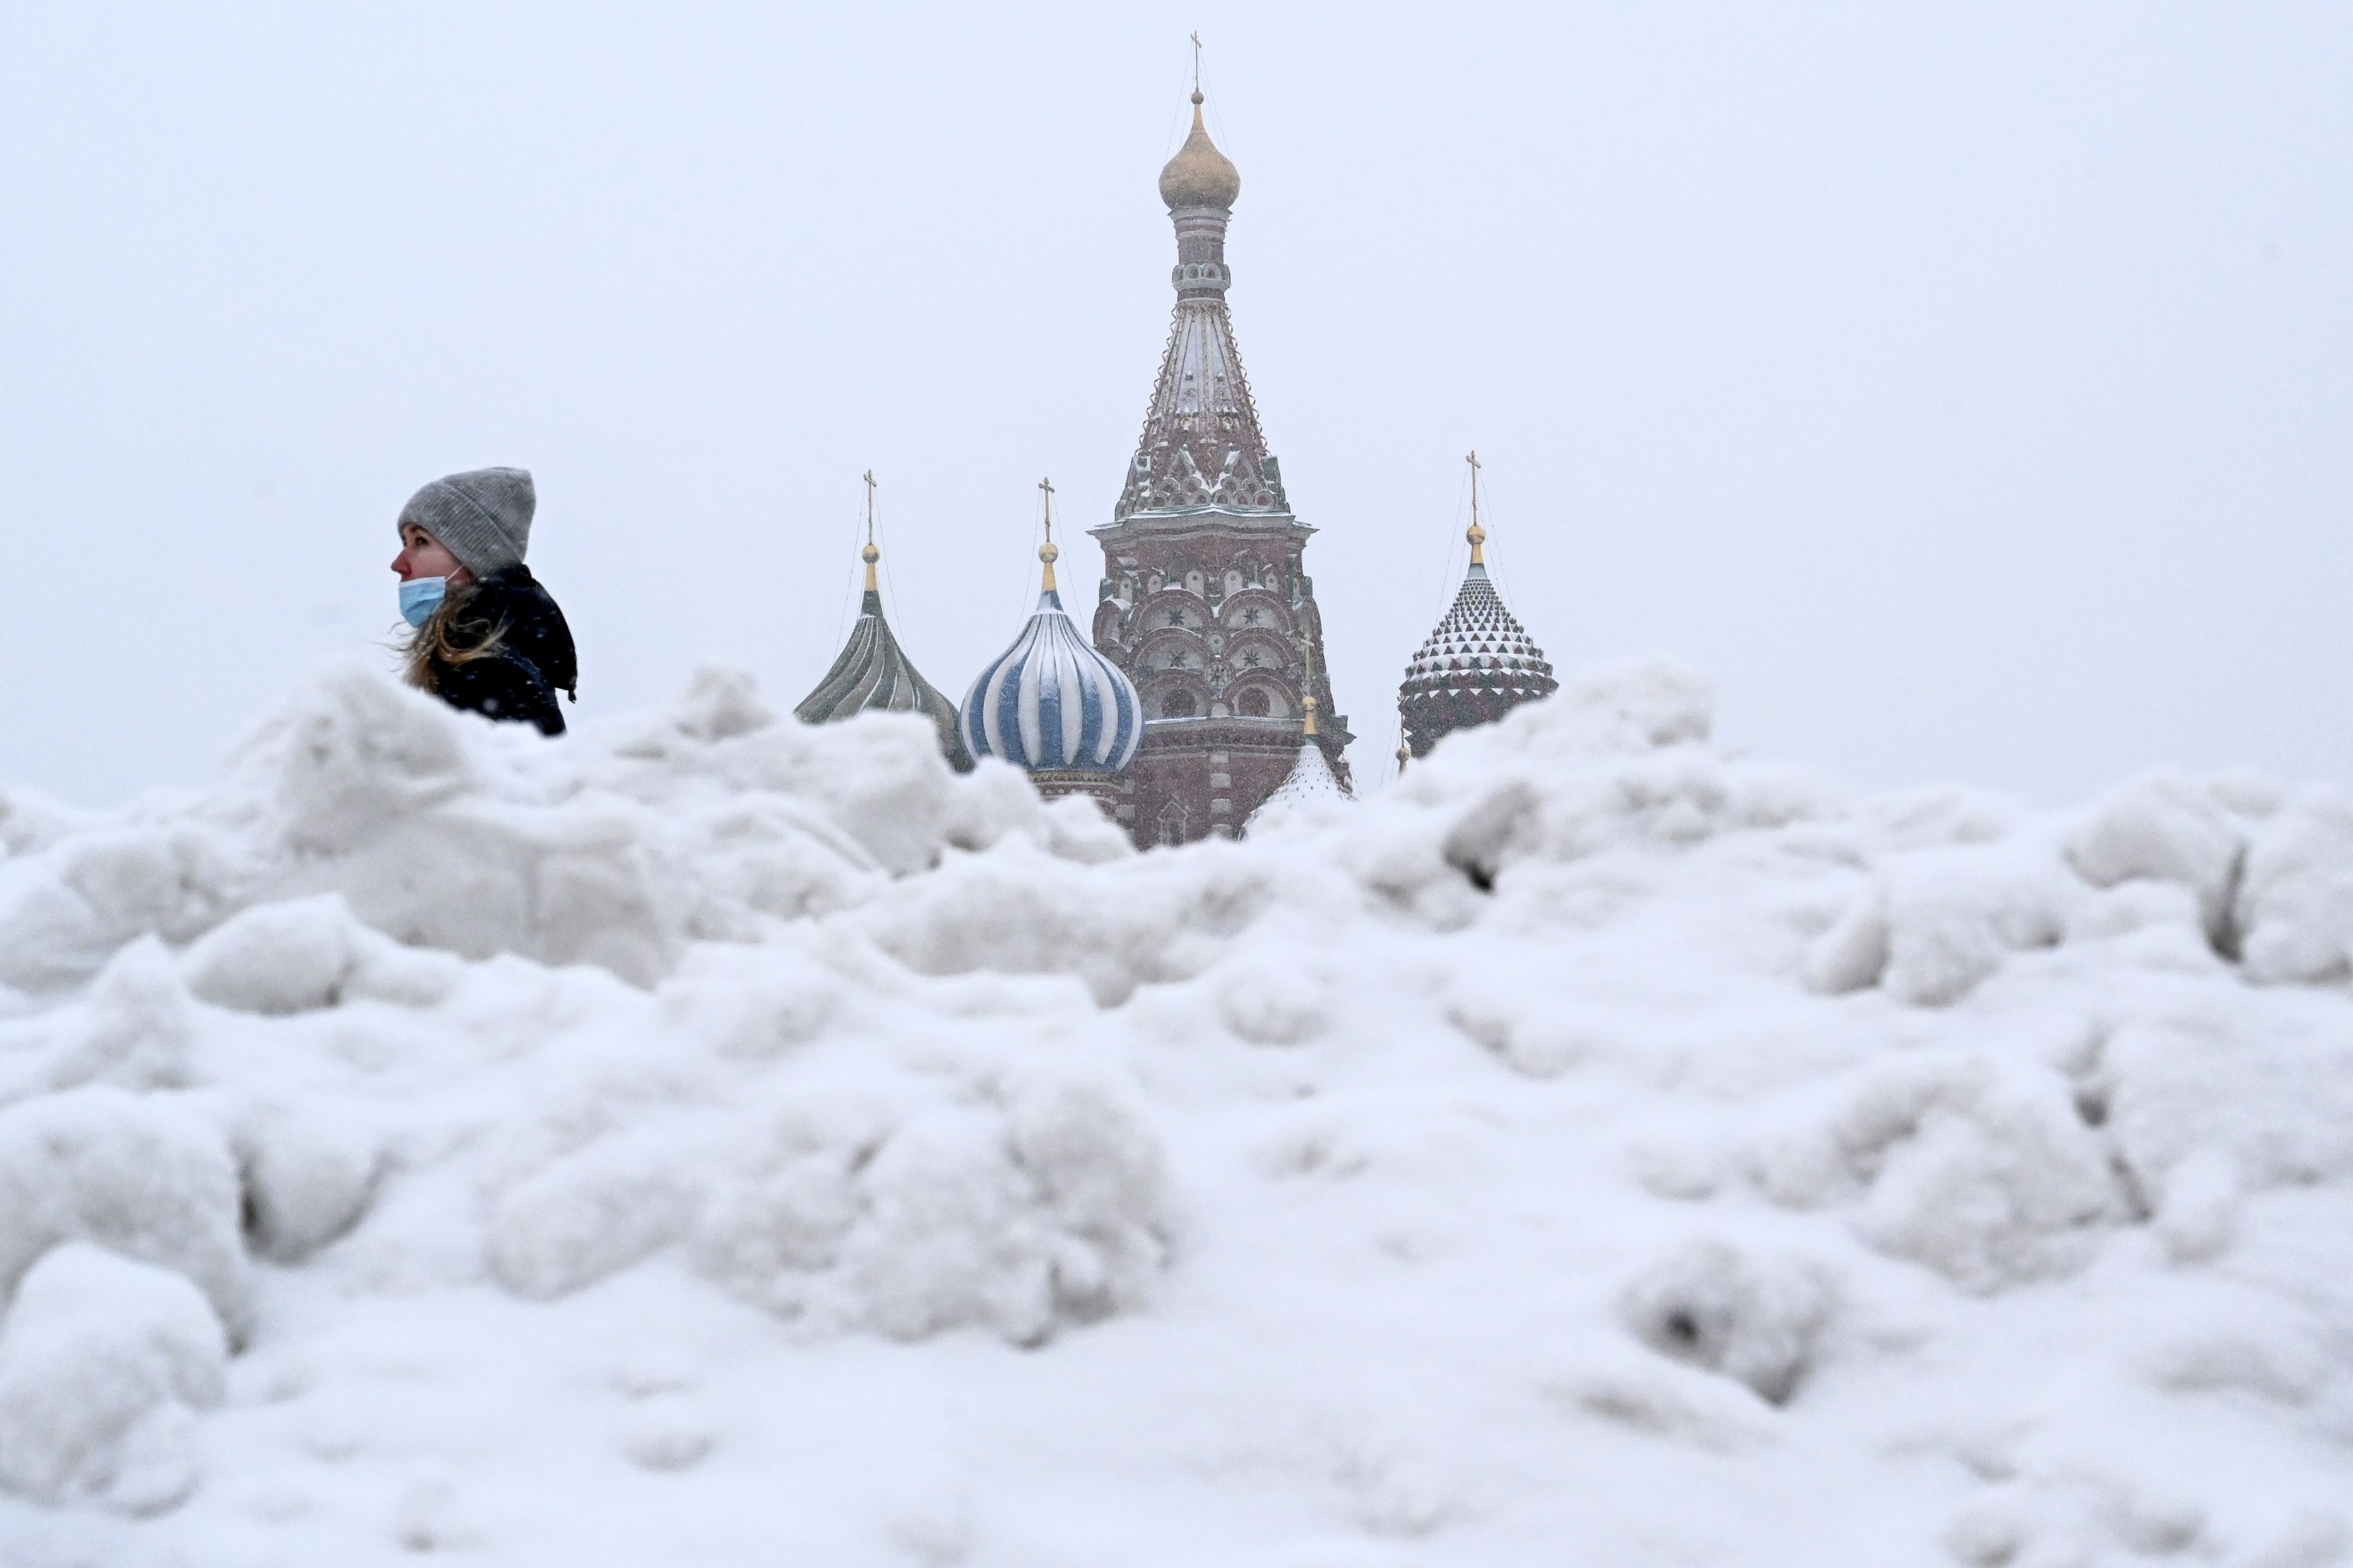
{"points": [[1205, 602]]}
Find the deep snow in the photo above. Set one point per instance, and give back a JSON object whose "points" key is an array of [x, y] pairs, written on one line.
{"points": [[712, 1139]]}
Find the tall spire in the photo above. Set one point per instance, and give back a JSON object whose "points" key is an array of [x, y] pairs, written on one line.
{"points": [[1201, 445], [1206, 602], [873, 672]]}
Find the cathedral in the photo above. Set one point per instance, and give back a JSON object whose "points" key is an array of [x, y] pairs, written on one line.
{"points": [[1196, 699]]}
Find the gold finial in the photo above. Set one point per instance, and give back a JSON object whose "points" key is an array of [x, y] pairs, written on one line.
{"points": [[869, 554], [1474, 533], [1308, 703], [1403, 753], [1200, 175], [1046, 551]]}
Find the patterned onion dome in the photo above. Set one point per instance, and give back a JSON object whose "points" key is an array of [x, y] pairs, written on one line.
{"points": [[873, 672], [1478, 665], [1200, 175], [1050, 704], [1309, 782]]}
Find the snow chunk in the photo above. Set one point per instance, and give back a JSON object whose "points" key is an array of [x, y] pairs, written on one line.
{"points": [[866, 1206], [101, 1361], [2165, 827], [1631, 705], [137, 1174], [64, 911], [278, 958], [2199, 1106], [1988, 1176], [133, 1029], [720, 704], [594, 1213], [2295, 902], [356, 755], [1934, 922], [309, 1176], [1716, 1306]]}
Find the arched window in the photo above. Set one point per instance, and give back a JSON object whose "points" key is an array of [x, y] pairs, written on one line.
{"points": [[1253, 703], [1172, 821], [1177, 705]]}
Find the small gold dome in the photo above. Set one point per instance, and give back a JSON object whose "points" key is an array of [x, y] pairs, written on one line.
{"points": [[1200, 175], [869, 555]]}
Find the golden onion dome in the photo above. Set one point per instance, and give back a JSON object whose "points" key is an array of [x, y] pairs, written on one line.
{"points": [[1200, 175]]}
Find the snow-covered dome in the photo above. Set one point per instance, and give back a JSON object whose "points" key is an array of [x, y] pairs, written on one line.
{"points": [[1311, 780], [1050, 704]]}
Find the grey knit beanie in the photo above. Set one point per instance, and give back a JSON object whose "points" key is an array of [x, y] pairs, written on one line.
{"points": [[483, 515]]}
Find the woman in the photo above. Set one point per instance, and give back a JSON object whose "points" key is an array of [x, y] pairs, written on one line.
{"points": [[489, 639]]}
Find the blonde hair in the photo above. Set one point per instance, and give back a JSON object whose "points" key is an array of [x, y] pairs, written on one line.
{"points": [[434, 647]]}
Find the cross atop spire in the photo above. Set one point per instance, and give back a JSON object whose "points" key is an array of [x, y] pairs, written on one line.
{"points": [[1047, 551], [1197, 67], [1475, 533], [869, 554]]}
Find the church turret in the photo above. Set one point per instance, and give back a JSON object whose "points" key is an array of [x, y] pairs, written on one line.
{"points": [[873, 672], [1205, 600], [1478, 664], [1054, 706], [1310, 782]]}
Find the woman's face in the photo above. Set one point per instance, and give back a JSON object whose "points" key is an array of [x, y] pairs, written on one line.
{"points": [[422, 555]]}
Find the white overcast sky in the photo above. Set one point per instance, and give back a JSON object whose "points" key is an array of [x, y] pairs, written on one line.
{"points": [[1969, 387]]}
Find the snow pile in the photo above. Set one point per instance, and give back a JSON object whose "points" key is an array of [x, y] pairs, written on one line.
{"points": [[709, 1138]]}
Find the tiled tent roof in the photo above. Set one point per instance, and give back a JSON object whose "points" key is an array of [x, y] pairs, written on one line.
{"points": [[1201, 446], [1478, 663]]}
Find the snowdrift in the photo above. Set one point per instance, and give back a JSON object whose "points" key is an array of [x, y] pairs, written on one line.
{"points": [[709, 1138]]}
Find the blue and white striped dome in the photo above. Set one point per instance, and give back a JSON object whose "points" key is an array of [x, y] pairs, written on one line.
{"points": [[1050, 704]]}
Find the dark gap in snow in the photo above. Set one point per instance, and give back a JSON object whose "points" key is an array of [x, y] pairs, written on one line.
{"points": [[2224, 933]]}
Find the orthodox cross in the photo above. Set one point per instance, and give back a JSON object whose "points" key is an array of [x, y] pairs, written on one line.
{"points": [[1045, 487], [1197, 63], [1474, 533], [869, 554]]}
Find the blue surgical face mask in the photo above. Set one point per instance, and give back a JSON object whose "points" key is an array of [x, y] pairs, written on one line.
{"points": [[419, 597]]}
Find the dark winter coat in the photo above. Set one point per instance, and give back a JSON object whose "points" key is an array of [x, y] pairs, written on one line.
{"points": [[534, 659]]}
